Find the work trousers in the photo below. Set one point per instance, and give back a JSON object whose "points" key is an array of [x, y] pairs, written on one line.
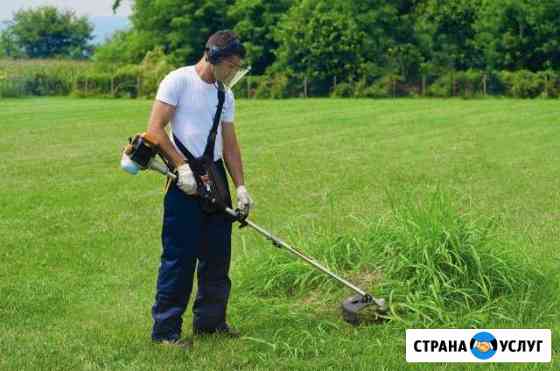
{"points": [[192, 240]]}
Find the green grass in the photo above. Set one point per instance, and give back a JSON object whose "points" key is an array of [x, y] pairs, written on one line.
{"points": [[363, 185]]}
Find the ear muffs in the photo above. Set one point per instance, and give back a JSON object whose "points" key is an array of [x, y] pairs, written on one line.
{"points": [[215, 54]]}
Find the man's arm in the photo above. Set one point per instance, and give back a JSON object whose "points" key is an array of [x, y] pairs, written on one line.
{"points": [[232, 154], [159, 118]]}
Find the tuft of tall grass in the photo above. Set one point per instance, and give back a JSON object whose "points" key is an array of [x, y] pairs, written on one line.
{"points": [[445, 265], [440, 264]]}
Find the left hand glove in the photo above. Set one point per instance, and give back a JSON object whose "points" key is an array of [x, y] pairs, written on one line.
{"points": [[244, 201]]}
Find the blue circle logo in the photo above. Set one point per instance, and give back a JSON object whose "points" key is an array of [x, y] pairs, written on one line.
{"points": [[484, 345]]}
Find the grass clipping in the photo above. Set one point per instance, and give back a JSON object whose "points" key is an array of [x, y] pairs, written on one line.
{"points": [[436, 264]]}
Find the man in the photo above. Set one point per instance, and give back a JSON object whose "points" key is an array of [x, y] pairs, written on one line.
{"points": [[191, 238]]}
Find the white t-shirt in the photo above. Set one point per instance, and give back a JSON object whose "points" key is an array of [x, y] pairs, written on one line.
{"points": [[195, 101]]}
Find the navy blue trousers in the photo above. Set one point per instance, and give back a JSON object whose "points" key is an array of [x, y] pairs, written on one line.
{"points": [[192, 241]]}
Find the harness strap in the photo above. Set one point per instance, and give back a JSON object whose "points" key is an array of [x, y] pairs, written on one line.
{"points": [[211, 140]]}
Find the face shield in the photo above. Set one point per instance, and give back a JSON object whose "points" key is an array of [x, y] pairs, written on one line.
{"points": [[230, 73]]}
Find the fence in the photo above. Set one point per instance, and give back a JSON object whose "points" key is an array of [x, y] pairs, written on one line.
{"points": [[467, 84], [520, 84]]}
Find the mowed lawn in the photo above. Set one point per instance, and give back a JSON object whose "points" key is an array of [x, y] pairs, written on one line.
{"points": [[80, 239]]}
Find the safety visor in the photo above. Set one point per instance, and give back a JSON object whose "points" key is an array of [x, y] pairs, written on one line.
{"points": [[237, 74]]}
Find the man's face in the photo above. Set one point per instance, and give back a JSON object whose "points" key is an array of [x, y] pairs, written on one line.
{"points": [[230, 70], [227, 68]]}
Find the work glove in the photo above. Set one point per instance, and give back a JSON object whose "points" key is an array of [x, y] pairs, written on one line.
{"points": [[185, 179], [244, 201]]}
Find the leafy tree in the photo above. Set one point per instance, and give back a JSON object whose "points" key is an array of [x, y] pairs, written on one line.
{"points": [[124, 47], [520, 34], [255, 22], [447, 33], [179, 27], [320, 40], [391, 42], [46, 32], [8, 47]]}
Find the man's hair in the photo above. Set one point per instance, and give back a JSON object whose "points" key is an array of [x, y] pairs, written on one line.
{"points": [[226, 43]]}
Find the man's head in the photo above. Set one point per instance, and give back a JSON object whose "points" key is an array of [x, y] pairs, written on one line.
{"points": [[225, 53]]}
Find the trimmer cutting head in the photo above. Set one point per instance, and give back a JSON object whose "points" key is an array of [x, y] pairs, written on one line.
{"points": [[353, 309]]}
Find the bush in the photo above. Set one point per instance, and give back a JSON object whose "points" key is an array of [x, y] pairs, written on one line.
{"points": [[470, 83], [125, 81], [441, 87], [152, 70], [384, 87], [43, 84], [343, 90], [12, 88], [92, 84], [276, 85], [466, 84], [522, 84], [551, 81]]}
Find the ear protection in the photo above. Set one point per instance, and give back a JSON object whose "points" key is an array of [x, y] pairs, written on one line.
{"points": [[214, 54]]}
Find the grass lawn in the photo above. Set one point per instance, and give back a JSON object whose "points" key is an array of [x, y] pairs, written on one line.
{"points": [[80, 239]]}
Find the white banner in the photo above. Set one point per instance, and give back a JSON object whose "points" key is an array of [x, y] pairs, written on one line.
{"points": [[467, 345]]}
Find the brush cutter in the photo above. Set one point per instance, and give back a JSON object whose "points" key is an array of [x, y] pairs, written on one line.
{"points": [[140, 155]]}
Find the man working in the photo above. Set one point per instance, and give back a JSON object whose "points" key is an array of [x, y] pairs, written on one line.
{"points": [[188, 98]]}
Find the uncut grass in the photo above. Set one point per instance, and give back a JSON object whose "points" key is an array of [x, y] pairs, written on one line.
{"points": [[437, 265]]}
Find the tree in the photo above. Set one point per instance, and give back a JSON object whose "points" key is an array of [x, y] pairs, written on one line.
{"points": [[255, 23], [179, 27], [320, 40], [46, 32], [391, 43], [124, 47], [8, 47], [447, 33], [520, 34]]}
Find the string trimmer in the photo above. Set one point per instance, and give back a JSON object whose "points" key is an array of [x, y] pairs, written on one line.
{"points": [[140, 155]]}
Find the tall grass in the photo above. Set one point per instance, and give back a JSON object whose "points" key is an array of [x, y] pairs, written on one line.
{"points": [[39, 76], [437, 263], [445, 265]]}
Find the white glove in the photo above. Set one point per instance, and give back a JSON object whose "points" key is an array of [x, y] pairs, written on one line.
{"points": [[244, 201], [185, 179]]}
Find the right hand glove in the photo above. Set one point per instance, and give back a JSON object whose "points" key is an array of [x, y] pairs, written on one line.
{"points": [[244, 200], [185, 179]]}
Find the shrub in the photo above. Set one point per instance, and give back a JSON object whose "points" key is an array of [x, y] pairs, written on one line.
{"points": [[126, 81], [551, 84], [522, 84], [43, 84], [276, 85], [343, 90], [92, 84], [152, 70], [12, 88]]}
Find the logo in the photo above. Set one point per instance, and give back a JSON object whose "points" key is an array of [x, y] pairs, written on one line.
{"points": [[479, 346], [483, 345]]}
